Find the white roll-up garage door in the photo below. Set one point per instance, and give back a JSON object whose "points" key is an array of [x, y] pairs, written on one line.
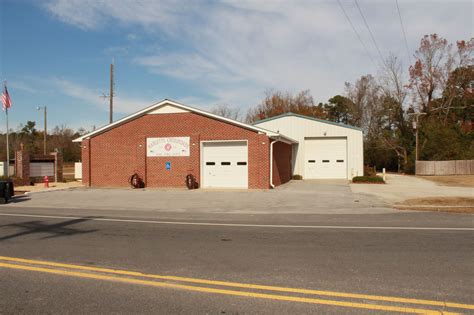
{"points": [[325, 158], [225, 164]]}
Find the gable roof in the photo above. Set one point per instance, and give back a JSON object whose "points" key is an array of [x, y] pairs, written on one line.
{"points": [[290, 114], [165, 102]]}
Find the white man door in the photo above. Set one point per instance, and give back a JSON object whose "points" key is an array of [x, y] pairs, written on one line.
{"points": [[325, 158], [224, 164]]}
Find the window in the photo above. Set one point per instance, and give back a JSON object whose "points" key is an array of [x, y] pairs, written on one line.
{"points": [[340, 161], [241, 163], [325, 161], [210, 163], [225, 163], [311, 161]]}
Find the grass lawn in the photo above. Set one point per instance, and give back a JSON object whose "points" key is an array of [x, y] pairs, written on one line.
{"points": [[452, 180], [444, 204]]}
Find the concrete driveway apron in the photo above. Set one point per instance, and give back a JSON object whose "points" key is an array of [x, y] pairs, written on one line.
{"points": [[312, 196]]}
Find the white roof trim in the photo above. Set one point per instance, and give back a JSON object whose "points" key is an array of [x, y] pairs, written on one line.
{"points": [[185, 107], [167, 109]]}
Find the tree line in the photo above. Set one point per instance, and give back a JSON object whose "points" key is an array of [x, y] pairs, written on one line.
{"points": [[60, 138], [439, 85]]}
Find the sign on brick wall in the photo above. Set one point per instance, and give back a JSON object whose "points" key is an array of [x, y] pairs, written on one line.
{"points": [[173, 146]]}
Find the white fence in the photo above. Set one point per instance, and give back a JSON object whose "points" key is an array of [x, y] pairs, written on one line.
{"points": [[454, 167], [78, 170], [3, 168]]}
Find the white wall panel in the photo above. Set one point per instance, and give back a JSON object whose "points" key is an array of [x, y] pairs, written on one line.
{"points": [[3, 168], [299, 128], [78, 170]]}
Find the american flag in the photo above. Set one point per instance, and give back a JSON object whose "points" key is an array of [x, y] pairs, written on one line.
{"points": [[6, 101]]}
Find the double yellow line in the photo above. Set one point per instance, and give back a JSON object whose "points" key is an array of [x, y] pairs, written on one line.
{"points": [[145, 279]]}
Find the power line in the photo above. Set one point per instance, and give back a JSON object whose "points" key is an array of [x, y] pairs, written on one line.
{"points": [[403, 30], [357, 34], [111, 93], [370, 32]]}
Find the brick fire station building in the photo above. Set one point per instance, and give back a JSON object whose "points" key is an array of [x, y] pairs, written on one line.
{"points": [[167, 141]]}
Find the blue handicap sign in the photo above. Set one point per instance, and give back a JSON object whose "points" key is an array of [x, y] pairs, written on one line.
{"points": [[168, 165]]}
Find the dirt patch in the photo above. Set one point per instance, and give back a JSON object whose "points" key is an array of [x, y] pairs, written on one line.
{"points": [[468, 210], [441, 201], [52, 186], [452, 180], [443, 204], [379, 183]]}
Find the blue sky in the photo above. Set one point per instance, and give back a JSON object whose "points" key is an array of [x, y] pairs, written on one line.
{"points": [[202, 53]]}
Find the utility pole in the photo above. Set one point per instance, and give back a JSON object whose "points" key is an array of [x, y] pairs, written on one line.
{"points": [[111, 93], [416, 127], [45, 126], [45, 129]]}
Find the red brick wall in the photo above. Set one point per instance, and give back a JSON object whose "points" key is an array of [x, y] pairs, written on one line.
{"points": [[22, 164], [281, 163], [85, 152], [111, 157], [58, 166]]}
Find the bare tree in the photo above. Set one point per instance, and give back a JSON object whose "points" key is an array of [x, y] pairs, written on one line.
{"points": [[366, 97], [427, 72], [276, 103], [396, 133], [227, 111], [391, 79], [436, 60]]}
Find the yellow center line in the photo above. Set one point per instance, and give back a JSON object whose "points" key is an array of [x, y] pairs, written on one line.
{"points": [[245, 285], [226, 292]]}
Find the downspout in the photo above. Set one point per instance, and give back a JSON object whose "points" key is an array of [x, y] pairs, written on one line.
{"points": [[271, 162]]}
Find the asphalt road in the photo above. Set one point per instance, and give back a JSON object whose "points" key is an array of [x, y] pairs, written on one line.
{"points": [[364, 254]]}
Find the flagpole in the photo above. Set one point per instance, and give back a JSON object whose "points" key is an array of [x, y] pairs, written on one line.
{"points": [[6, 106], [8, 147]]}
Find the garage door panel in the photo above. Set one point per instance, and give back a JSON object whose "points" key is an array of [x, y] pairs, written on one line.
{"points": [[225, 164], [40, 169], [326, 158]]}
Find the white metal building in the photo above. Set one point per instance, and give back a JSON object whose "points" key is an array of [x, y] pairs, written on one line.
{"points": [[325, 149]]}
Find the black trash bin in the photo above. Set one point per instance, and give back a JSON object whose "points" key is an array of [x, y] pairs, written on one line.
{"points": [[6, 191]]}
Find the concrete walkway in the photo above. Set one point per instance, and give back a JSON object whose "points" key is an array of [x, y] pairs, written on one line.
{"points": [[305, 197], [401, 187]]}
